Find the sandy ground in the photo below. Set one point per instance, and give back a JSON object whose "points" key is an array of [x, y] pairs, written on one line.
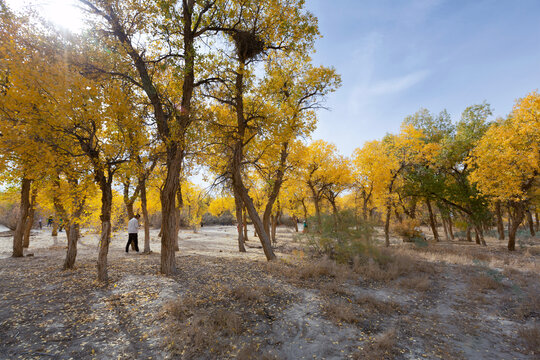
{"points": [[47, 313]]}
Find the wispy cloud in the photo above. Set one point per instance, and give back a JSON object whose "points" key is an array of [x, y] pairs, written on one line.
{"points": [[398, 84]]}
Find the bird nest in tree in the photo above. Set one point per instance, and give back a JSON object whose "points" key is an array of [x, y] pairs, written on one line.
{"points": [[248, 44]]}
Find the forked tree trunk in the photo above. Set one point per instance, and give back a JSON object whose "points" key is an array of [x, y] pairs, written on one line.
{"points": [[30, 219], [21, 221], [432, 221], [479, 236], [516, 213], [239, 222], [144, 208], [500, 225], [295, 220], [277, 182]]}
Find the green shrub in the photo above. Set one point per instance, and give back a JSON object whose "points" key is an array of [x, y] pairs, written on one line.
{"points": [[341, 238]]}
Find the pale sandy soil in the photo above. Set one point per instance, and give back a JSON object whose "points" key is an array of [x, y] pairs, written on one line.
{"points": [[282, 309]]}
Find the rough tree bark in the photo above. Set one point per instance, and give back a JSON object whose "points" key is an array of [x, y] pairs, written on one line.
{"points": [[23, 214], [239, 222]]}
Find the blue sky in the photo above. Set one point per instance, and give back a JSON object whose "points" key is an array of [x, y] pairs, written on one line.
{"points": [[398, 56]]}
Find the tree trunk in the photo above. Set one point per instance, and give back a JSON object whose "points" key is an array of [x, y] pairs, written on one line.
{"points": [[30, 219], [469, 238], [54, 231], [295, 220], [21, 221], [445, 228], [105, 184], [500, 224], [239, 222], [530, 222], [169, 235], [274, 225], [450, 227], [516, 213], [387, 225], [144, 208], [244, 213], [278, 181], [317, 207], [73, 230], [432, 221], [73, 237], [479, 236], [236, 166], [537, 220]]}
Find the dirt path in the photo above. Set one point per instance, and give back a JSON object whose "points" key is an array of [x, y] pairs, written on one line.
{"points": [[223, 304]]}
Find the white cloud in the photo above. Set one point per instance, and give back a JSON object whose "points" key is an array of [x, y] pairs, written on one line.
{"points": [[398, 84]]}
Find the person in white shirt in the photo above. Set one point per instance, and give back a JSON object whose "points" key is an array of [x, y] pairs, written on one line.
{"points": [[133, 228]]}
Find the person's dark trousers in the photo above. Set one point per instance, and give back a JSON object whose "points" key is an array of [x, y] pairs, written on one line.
{"points": [[132, 238]]}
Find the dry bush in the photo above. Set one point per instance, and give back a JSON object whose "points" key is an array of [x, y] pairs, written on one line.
{"points": [[370, 305], [226, 322], [340, 311], [530, 336], [249, 294], [382, 347], [320, 268], [389, 266], [529, 306], [196, 331], [179, 309], [419, 282], [533, 251], [334, 288], [484, 282]]}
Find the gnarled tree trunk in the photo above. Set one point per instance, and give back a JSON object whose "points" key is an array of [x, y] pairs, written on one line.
{"points": [[516, 212]]}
